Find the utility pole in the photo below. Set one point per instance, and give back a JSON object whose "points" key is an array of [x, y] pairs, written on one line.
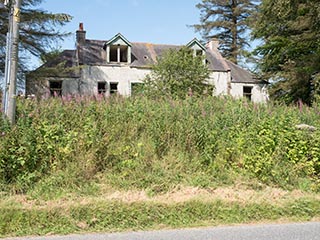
{"points": [[12, 60], [6, 5]]}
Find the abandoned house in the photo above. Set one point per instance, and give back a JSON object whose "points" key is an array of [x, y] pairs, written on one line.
{"points": [[118, 66]]}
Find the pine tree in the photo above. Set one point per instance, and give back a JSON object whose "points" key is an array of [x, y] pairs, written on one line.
{"points": [[38, 31], [290, 55], [227, 21]]}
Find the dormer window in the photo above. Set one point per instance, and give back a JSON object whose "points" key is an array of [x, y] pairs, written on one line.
{"points": [[118, 50], [197, 48], [199, 52], [119, 54]]}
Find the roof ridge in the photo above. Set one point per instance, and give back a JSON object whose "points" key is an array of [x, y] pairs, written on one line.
{"points": [[165, 44]]}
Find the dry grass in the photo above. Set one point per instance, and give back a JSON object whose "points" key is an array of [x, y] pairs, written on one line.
{"points": [[237, 194], [118, 210]]}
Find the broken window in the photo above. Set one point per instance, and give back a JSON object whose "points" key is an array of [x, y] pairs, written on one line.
{"points": [[118, 54], [247, 92], [124, 54], [102, 87], [113, 53], [55, 88], [113, 88]]}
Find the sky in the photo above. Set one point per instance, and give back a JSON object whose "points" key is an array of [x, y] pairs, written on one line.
{"points": [[154, 21]]}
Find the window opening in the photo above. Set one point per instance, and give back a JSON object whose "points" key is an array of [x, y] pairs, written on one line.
{"points": [[124, 54], [247, 92], [113, 88], [113, 53], [118, 53], [55, 88], [102, 87]]}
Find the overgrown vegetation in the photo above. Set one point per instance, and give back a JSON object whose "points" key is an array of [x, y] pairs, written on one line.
{"points": [[157, 144], [178, 74], [82, 150]]}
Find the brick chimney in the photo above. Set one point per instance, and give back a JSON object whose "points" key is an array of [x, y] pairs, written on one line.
{"points": [[81, 35], [213, 44]]}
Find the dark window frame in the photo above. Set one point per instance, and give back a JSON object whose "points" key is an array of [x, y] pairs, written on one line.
{"points": [[55, 88], [113, 87], [102, 87], [247, 92], [114, 56]]}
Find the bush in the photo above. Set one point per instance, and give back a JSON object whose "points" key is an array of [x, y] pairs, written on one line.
{"points": [[178, 74]]}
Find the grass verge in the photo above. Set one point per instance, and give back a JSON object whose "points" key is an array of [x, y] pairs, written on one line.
{"points": [[110, 216]]}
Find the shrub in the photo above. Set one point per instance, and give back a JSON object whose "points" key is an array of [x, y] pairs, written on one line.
{"points": [[178, 74]]}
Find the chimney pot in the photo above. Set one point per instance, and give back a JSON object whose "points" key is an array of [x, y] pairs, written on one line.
{"points": [[81, 35], [80, 26]]}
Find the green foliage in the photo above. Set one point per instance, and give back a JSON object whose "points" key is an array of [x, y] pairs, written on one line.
{"points": [[315, 89], [157, 144], [178, 74], [228, 22], [290, 52], [39, 30], [49, 56]]}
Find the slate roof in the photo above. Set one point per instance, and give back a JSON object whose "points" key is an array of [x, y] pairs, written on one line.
{"points": [[61, 66], [66, 58], [92, 52], [216, 62], [143, 54], [240, 75]]}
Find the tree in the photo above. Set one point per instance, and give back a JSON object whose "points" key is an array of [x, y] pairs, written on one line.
{"points": [[227, 21], [177, 74], [290, 55], [38, 31]]}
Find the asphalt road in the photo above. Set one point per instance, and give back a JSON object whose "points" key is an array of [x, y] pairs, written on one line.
{"points": [[298, 231]]}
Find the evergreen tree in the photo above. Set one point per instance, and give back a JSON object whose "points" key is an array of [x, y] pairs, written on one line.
{"points": [[290, 55], [227, 21], [38, 31]]}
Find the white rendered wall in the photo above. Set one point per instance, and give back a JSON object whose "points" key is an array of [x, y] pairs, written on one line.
{"points": [[259, 91], [220, 81], [123, 75]]}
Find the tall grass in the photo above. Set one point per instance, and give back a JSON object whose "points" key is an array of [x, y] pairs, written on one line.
{"points": [[140, 143]]}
